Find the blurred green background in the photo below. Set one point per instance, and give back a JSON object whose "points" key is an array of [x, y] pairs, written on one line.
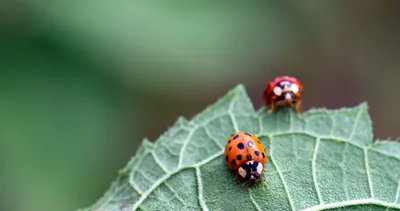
{"points": [[83, 82]]}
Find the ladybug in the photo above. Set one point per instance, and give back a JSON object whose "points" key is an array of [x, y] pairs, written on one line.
{"points": [[246, 156], [283, 91]]}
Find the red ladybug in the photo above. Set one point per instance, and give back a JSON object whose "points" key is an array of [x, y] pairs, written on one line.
{"points": [[283, 91]]}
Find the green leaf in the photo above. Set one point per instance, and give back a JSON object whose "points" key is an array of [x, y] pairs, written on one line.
{"points": [[320, 160]]}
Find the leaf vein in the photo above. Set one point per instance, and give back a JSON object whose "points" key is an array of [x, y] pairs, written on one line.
{"points": [[260, 124], [158, 162], [312, 135], [342, 165], [254, 202], [355, 125], [190, 136], [167, 176], [333, 125], [367, 168], [110, 198], [175, 194], [166, 147], [282, 179], [314, 171], [396, 199], [212, 137], [383, 153], [133, 183], [200, 189], [351, 203]]}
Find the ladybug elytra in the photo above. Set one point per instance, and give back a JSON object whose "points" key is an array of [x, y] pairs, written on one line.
{"points": [[245, 154]]}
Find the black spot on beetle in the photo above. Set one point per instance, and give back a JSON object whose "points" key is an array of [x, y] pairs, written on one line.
{"points": [[257, 153], [229, 141], [226, 158], [248, 157], [248, 134], [237, 136], [240, 145], [259, 142], [230, 148], [239, 157], [263, 155], [250, 143], [233, 162]]}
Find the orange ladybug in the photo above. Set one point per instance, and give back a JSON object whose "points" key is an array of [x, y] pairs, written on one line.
{"points": [[282, 91], [245, 154]]}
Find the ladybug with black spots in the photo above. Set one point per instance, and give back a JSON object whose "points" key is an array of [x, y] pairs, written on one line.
{"points": [[246, 156], [283, 91]]}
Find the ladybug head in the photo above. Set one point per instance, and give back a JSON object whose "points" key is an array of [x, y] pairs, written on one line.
{"points": [[251, 170], [285, 87], [286, 90]]}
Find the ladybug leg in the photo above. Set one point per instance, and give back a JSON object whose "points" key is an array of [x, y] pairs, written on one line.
{"points": [[237, 178], [248, 184], [298, 105], [293, 104], [272, 109], [273, 105]]}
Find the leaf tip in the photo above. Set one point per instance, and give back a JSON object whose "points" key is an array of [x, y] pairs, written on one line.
{"points": [[362, 106], [235, 91], [146, 143], [143, 148], [239, 88], [123, 172], [181, 121]]}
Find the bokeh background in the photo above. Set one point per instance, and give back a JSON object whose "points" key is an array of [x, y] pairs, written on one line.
{"points": [[83, 82]]}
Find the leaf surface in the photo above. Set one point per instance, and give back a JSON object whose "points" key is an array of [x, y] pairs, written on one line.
{"points": [[320, 160]]}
